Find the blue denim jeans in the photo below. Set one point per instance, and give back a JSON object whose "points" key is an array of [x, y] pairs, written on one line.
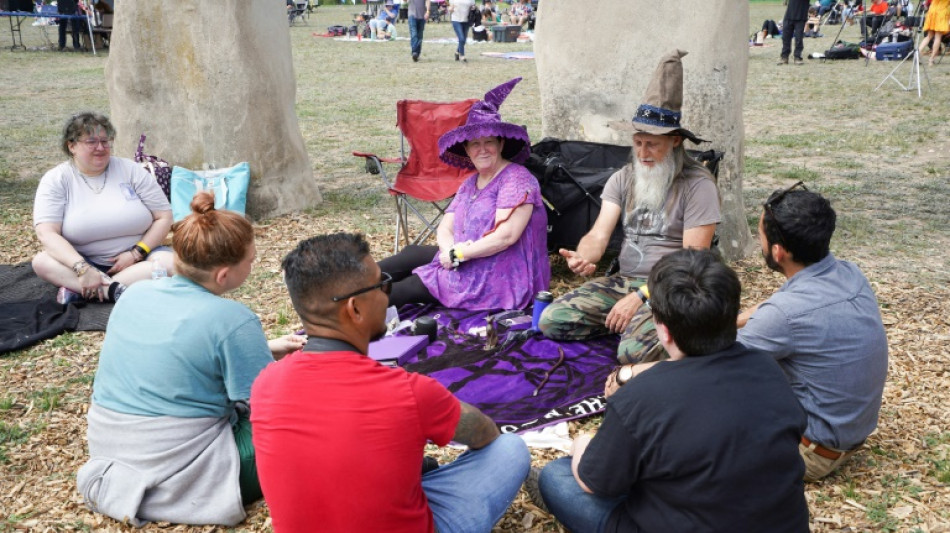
{"points": [[471, 493], [461, 31], [416, 29], [576, 509]]}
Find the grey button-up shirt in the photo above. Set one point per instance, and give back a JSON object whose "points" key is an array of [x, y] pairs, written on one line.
{"points": [[824, 327]]}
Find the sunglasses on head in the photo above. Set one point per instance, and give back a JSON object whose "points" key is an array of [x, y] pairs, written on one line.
{"points": [[774, 199]]}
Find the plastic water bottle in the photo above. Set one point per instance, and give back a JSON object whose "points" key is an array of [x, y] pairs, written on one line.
{"points": [[158, 271]]}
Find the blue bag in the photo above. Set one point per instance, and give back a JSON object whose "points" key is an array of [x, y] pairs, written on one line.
{"points": [[228, 184]]}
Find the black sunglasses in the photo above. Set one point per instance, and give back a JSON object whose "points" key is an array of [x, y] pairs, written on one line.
{"points": [[777, 197], [385, 284]]}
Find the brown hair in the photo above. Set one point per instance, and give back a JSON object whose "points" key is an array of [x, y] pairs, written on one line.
{"points": [[86, 122], [208, 238]]}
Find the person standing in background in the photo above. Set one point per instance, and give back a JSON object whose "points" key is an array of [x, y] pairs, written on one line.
{"points": [[68, 7], [936, 25], [418, 14], [458, 10], [796, 14]]}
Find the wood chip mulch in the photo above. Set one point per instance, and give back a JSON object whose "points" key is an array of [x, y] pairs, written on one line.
{"points": [[898, 482]]}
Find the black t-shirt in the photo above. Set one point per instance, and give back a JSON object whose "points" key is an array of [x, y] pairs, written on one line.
{"points": [[702, 444], [797, 10]]}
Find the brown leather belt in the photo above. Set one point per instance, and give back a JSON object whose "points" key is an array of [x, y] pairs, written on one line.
{"points": [[821, 450]]}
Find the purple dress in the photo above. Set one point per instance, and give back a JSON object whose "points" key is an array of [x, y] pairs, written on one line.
{"points": [[510, 278]]}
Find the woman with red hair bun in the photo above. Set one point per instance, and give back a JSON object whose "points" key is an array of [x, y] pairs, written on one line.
{"points": [[168, 422]]}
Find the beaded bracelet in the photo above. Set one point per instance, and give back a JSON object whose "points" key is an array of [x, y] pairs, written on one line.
{"points": [[80, 268]]}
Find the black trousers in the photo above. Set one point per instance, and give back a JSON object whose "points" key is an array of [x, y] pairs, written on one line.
{"points": [[876, 21], [62, 32], [407, 287], [796, 29]]}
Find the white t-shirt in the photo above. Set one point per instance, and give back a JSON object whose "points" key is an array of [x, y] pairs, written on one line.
{"points": [[100, 225], [460, 9]]}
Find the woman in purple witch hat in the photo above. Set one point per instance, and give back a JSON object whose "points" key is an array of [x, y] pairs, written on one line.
{"points": [[492, 248]]}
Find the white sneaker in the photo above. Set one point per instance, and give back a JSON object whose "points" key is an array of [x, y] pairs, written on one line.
{"points": [[65, 296]]}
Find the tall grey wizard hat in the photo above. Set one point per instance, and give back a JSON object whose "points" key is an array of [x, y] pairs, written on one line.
{"points": [[660, 110]]}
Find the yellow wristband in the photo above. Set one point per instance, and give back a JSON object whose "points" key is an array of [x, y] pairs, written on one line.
{"points": [[142, 245], [458, 253], [645, 291]]}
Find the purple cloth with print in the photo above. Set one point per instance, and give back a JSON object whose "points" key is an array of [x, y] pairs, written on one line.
{"points": [[510, 278], [523, 384]]}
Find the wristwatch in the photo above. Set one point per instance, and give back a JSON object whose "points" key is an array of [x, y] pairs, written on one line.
{"points": [[625, 374]]}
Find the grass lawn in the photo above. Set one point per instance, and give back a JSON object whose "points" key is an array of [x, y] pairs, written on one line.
{"points": [[880, 155]]}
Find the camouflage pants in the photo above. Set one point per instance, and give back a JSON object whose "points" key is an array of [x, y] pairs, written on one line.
{"points": [[582, 313]]}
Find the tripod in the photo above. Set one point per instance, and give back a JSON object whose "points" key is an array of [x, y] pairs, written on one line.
{"points": [[841, 16], [913, 79]]}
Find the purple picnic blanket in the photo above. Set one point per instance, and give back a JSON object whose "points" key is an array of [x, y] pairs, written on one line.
{"points": [[524, 384]]}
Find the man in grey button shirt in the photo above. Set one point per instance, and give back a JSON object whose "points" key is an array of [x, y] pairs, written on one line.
{"points": [[823, 326]]}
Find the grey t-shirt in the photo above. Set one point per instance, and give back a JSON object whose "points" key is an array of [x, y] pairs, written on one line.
{"points": [[100, 226], [693, 201], [417, 9]]}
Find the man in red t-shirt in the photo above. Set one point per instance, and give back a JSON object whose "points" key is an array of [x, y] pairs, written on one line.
{"points": [[340, 438]]}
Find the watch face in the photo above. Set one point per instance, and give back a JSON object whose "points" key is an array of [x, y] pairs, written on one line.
{"points": [[626, 372]]}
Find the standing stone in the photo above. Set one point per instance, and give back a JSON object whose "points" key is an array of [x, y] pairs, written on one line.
{"points": [[211, 83], [594, 69]]}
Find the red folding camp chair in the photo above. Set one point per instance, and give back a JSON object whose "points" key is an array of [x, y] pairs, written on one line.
{"points": [[422, 176]]}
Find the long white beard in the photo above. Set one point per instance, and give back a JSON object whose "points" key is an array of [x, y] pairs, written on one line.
{"points": [[651, 184]]}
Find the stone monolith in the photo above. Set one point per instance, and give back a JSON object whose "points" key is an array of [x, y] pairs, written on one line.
{"points": [[594, 69], [212, 84]]}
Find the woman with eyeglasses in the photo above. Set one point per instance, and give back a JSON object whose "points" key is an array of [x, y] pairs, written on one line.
{"points": [[100, 219], [491, 245], [168, 426]]}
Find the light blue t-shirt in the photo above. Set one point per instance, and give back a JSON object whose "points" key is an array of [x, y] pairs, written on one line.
{"points": [[824, 327], [173, 348]]}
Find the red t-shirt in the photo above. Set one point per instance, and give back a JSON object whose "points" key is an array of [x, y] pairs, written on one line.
{"points": [[339, 440], [879, 9]]}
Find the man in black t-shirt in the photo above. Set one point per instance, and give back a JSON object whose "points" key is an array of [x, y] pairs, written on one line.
{"points": [[705, 441], [793, 26]]}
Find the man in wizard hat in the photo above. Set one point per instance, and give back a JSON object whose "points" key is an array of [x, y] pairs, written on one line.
{"points": [[666, 200]]}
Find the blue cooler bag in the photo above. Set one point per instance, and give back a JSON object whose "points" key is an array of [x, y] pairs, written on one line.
{"points": [[893, 51], [229, 186]]}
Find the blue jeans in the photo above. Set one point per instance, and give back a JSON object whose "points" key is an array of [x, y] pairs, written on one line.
{"points": [[576, 509], [461, 31], [416, 29], [471, 493]]}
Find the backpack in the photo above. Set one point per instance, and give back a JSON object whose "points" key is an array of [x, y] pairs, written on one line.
{"points": [[843, 50]]}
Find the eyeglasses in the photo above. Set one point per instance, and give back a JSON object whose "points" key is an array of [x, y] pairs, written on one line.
{"points": [[92, 144], [777, 197], [385, 284]]}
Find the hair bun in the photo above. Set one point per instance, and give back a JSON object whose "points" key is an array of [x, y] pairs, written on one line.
{"points": [[203, 202]]}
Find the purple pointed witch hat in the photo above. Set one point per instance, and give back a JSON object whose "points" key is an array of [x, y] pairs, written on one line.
{"points": [[484, 121]]}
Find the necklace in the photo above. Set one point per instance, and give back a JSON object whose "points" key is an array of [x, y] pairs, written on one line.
{"points": [[477, 190], [85, 179]]}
